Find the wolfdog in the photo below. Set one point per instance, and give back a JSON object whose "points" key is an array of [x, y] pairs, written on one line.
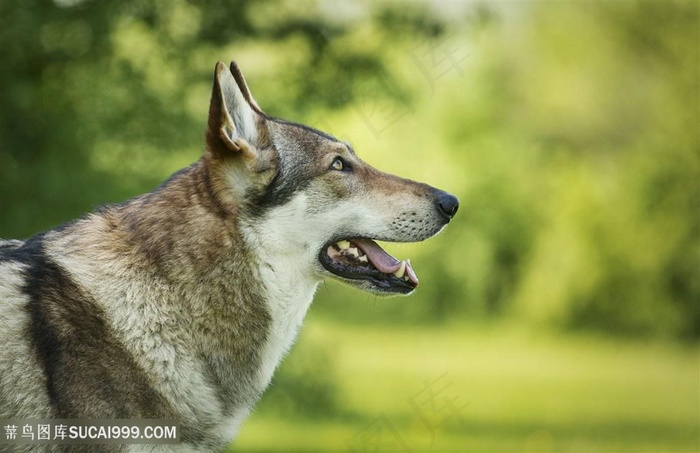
{"points": [[179, 304]]}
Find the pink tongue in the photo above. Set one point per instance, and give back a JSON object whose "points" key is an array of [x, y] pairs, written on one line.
{"points": [[382, 260]]}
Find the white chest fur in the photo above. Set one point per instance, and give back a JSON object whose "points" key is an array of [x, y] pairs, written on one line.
{"points": [[287, 269], [289, 295]]}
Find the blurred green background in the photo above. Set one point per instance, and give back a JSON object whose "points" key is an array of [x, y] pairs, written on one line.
{"points": [[560, 311]]}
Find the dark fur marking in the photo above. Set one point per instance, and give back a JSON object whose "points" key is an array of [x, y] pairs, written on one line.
{"points": [[69, 333], [281, 189], [25, 252], [8, 250], [17, 250]]}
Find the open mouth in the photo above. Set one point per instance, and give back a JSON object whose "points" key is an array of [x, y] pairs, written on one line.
{"points": [[364, 259]]}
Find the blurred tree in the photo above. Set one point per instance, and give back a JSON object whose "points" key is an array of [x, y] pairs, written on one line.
{"points": [[90, 81], [43, 166], [604, 100]]}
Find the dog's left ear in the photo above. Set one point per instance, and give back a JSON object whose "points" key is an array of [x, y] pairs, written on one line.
{"points": [[239, 149], [236, 124]]}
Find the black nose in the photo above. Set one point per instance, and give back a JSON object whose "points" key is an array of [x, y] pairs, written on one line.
{"points": [[447, 204]]}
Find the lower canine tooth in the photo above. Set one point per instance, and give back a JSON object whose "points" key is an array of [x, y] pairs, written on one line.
{"points": [[363, 258], [401, 270]]}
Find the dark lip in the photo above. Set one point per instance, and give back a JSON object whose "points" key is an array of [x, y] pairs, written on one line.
{"points": [[381, 281]]}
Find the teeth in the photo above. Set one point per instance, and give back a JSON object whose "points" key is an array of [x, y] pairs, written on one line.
{"points": [[363, 258], [353, 251], [401, 270], [343, 244]]}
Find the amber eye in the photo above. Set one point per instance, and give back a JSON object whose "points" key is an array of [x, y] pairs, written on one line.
{"points": [[338, 164]]}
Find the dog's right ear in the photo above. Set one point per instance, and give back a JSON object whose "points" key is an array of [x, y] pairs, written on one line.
{"points": [[235, 123]]}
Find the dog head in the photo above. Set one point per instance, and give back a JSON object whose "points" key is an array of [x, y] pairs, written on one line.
{"points": [[304, 197]]}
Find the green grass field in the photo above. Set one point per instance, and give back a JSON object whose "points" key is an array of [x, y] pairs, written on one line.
{"points": [[496, 388]]}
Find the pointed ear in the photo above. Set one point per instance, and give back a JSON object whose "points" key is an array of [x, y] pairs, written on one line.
{"points": [[234, 117], [243, 86]]}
